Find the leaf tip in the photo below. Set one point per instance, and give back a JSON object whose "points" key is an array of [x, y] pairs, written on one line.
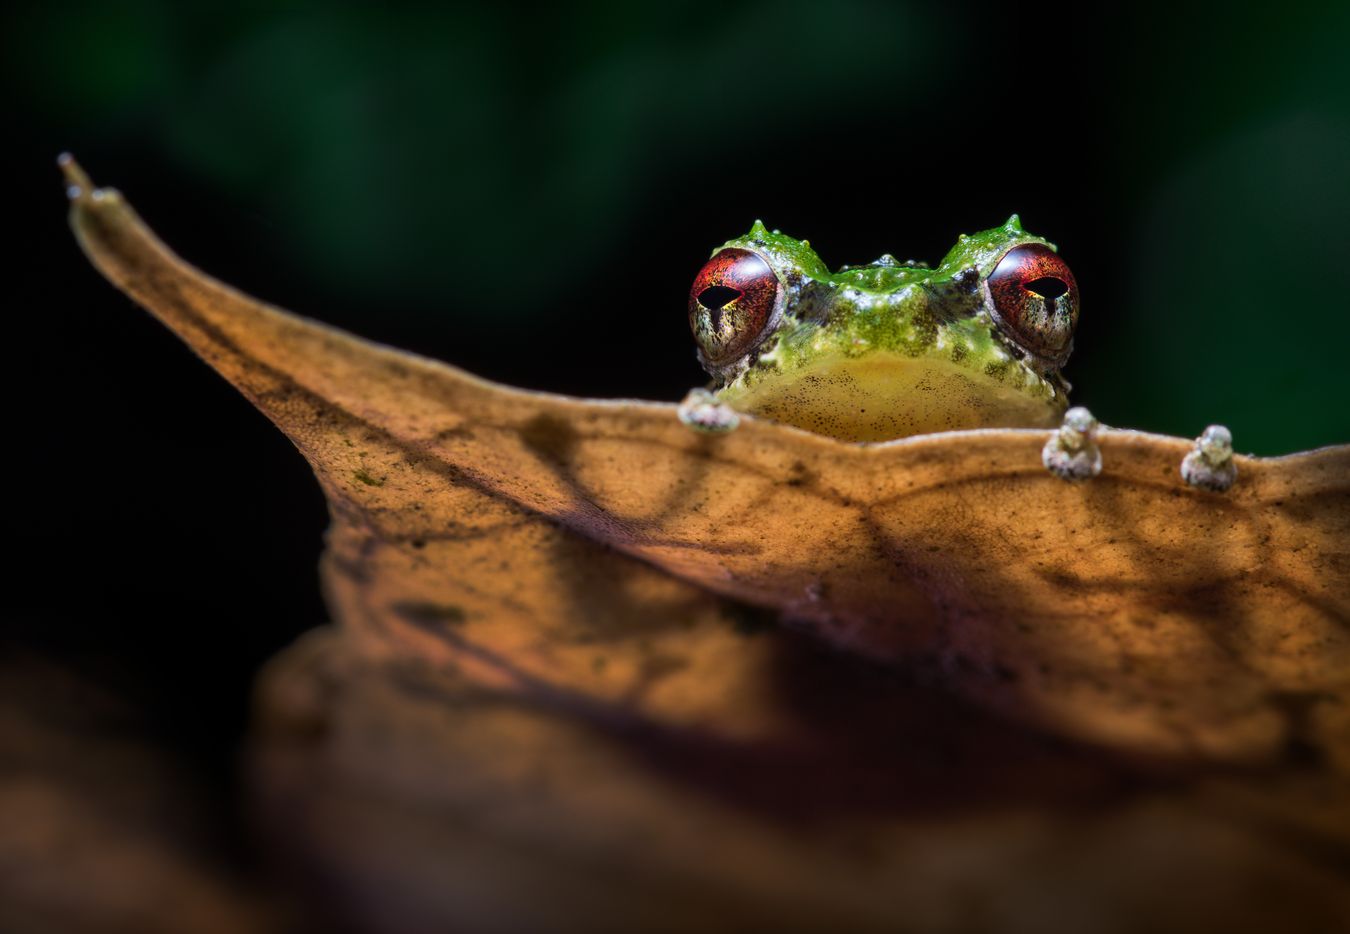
{"points": [[77, 182]]}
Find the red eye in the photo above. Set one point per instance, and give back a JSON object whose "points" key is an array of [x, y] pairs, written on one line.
{"points": [[1035, 300], [732, 305]]}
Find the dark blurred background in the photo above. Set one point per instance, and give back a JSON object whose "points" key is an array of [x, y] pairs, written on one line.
{"points": [[527, 193]]}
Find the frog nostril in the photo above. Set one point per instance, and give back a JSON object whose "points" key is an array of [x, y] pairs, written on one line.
{"points": [[715, 296], [1047, 287]]}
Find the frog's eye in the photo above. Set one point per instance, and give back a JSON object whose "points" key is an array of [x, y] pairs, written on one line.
{"points": [[733, 304], [1034, 299]]}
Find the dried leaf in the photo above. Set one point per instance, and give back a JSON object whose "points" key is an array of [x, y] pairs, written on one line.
{"points": [[552, 663], [496, 530]]}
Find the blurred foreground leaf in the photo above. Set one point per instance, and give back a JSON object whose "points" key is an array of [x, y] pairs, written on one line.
{"points": [[101, 830]]}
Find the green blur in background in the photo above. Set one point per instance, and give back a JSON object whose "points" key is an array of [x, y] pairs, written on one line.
{"points": [[491, 171]]}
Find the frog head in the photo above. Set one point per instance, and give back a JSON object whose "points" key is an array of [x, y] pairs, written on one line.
{"points": [[888, 349]]}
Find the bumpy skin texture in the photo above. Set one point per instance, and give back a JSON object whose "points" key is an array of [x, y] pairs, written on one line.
{"points": [[887, 350], [552, 666]]}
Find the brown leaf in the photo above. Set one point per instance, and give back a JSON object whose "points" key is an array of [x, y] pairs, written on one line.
{"points": [[496, 529], [549, 665]]}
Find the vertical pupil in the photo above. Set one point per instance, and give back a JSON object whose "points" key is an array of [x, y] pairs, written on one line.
{"points": [[715, 296]]}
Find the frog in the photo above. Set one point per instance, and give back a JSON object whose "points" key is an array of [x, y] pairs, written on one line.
{"points": [[886, 349]]}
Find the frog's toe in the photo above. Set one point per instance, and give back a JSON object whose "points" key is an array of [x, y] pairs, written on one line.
{"points": [[1072, 452], [701, 411], [1209, 465]]}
